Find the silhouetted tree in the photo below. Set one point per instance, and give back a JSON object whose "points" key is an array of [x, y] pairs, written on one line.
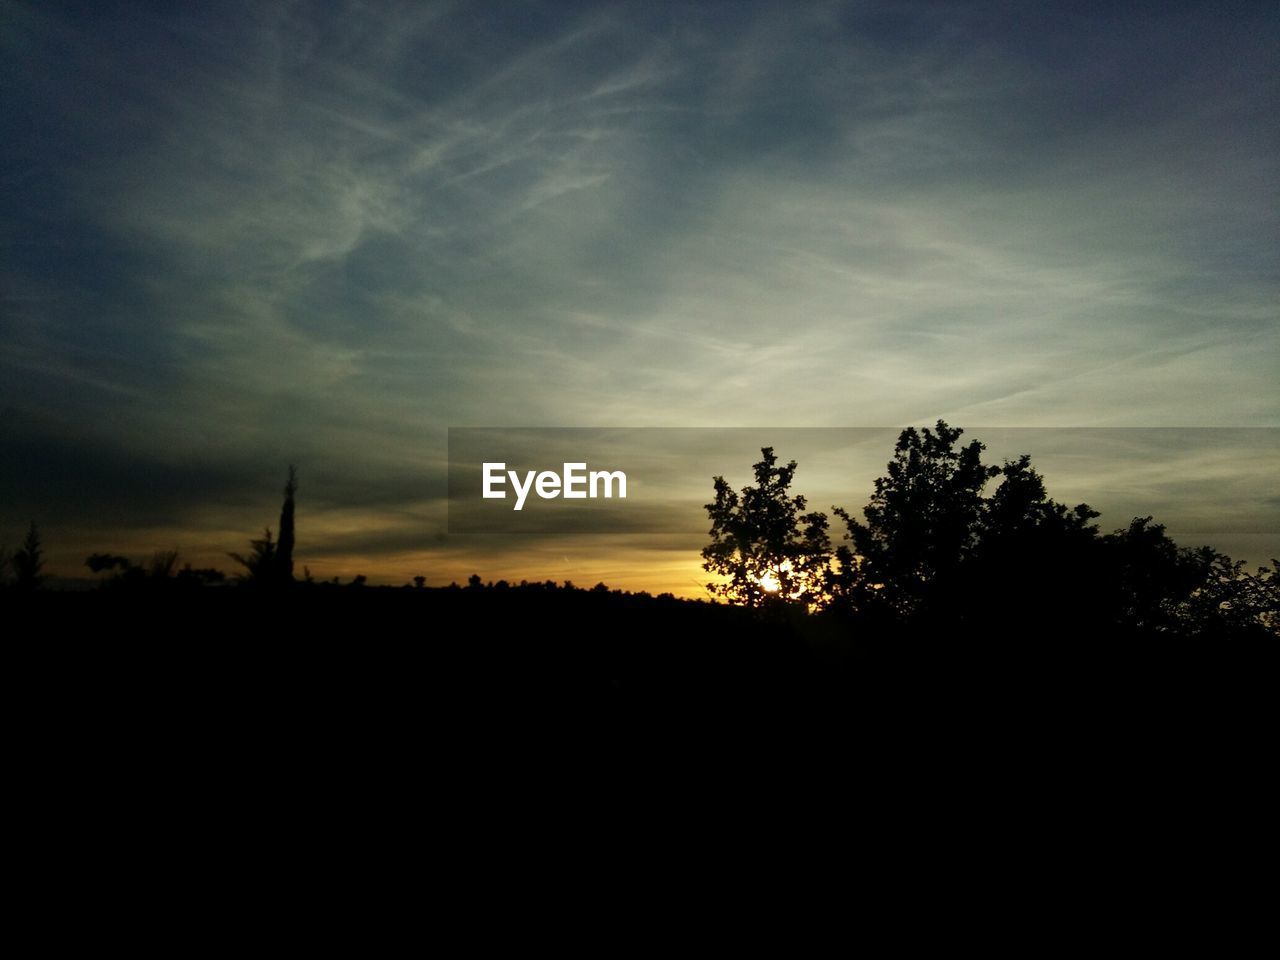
{"points": [[935, 553], [284, 546], [260, 564], [1229, 602], [923, 519], [764, 542], [1255, 598], [271, 562], [1019, 508], [28, 561], [934, 550], [1034, 560], [1158, 588]]}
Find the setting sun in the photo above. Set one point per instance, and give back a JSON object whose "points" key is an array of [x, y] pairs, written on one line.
{"points": [[771, 580]]}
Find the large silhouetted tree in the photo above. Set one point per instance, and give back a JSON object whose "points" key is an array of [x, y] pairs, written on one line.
{"points": [[762, 539], [935, 553], [1034, 559], [933, 548], [923, 519]]}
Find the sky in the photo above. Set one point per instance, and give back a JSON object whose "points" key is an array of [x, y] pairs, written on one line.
{"points": [[237, 236]]}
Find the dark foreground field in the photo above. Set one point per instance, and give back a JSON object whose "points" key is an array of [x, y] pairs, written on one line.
{"points": [[499, 667], [464, 729]]}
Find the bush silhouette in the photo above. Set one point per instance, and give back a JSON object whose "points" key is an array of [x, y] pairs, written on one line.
{"points": [[28, 561], [270, 563], [260, 564]]}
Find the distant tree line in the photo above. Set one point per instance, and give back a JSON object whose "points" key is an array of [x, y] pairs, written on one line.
{"points": [[268, 564], [946, 546]]}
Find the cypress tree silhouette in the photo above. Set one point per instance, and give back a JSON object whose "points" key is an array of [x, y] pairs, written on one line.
{"points": [[284, 545]]}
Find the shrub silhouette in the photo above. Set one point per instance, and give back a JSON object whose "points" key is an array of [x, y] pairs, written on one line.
{"points": [[260, 564], [28, 561], [104, 562], [270, 563]]}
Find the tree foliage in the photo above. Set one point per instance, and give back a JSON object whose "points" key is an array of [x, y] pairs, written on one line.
{"points": [[936, 553], [270, 561], [28, 561], [921, 523], [771, 550], [260, 563]]}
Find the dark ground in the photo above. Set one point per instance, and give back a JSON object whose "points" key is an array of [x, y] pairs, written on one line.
{"points": [[435, 746], [497, 667]]}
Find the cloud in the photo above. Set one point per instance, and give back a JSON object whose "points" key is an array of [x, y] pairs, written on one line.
{"points": [[328, 233]]}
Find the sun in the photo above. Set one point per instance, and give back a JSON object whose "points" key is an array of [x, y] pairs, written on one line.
{"points": [[770, 581]]}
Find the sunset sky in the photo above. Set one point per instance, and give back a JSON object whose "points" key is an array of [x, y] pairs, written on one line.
{"points": [[242, 235]]}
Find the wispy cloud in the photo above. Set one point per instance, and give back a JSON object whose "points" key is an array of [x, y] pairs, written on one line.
{"points": [[332, 232]]}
